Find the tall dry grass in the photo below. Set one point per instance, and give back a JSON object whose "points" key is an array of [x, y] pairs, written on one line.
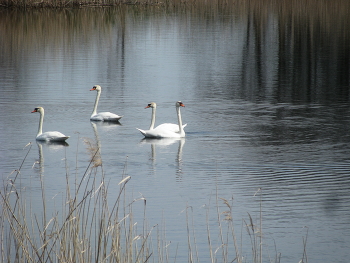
{"points": [[298, 5], [87, 227]]}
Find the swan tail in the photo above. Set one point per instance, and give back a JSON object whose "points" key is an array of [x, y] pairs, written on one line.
{"points": [[61, 139], [114, 118], [149, 134], [105, 116], [142, 131]]}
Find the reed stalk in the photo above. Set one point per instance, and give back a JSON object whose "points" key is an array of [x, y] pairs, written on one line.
{"points": [[258, 5], [86, 227]]}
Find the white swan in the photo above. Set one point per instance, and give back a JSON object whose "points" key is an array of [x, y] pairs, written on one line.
{"points": [[169, 126], [163, 131], [50, 136], [102, 116]]}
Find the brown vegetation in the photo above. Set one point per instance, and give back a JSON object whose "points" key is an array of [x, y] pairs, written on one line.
{"points": [[87, 224], [302, 5]]}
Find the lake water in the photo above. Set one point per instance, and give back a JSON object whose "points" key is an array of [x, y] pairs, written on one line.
{"points": [[267, 96]]}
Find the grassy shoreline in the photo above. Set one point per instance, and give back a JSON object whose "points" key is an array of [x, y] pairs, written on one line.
{"points": [[255, 4], [72, 3], [97, 3]]}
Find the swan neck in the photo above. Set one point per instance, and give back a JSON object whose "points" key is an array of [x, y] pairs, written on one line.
{"points": [[94, 112], [179, 119], [40, 129], [153, 119], [96, 136]]}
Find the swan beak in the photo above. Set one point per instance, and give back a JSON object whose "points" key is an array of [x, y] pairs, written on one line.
{"points": [[182, 105], [147, 106], [92, 89]]}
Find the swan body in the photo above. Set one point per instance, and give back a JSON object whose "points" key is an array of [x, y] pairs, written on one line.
{"points": [[167, 126], [50, 136], [102, 116], [166, 130]]}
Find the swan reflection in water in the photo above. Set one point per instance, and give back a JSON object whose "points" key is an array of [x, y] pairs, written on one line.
{"points": [[52, 146], [94, 146], [164, 143]]}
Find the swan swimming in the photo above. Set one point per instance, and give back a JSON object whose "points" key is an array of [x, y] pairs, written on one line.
{"points": [[170, 126], [102, 116], [166, 130], [52, 136]]}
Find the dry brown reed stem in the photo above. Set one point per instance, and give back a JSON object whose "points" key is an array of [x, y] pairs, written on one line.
{"points": [[189, 242], [229, 218], [224, 249], [301, 7], [16, 222], [84, 229], [51, 28], [304, 258], [209, 237], [255, 233], [260, 221], [94, 151]]}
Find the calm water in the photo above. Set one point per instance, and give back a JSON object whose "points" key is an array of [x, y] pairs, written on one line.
{"points": [[267, 94]]}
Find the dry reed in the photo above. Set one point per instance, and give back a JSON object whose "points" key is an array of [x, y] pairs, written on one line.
{"points": [[86, 227], [257, 5]]}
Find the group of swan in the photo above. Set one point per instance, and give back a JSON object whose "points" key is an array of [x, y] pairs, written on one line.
{"points": [[165, 130]]}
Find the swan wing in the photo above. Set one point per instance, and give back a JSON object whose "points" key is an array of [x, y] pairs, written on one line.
{"points": [[105, 116], [149, 133], [53, 136], [170, 126], [167, 130], [162, 132]]}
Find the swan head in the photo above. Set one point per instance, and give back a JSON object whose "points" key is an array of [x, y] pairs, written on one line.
{"points": [[38, 109], [179, 104], [151, 105], [96, 87]]}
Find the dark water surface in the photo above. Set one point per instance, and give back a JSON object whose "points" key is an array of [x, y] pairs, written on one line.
{"points": [[266, 89]]}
